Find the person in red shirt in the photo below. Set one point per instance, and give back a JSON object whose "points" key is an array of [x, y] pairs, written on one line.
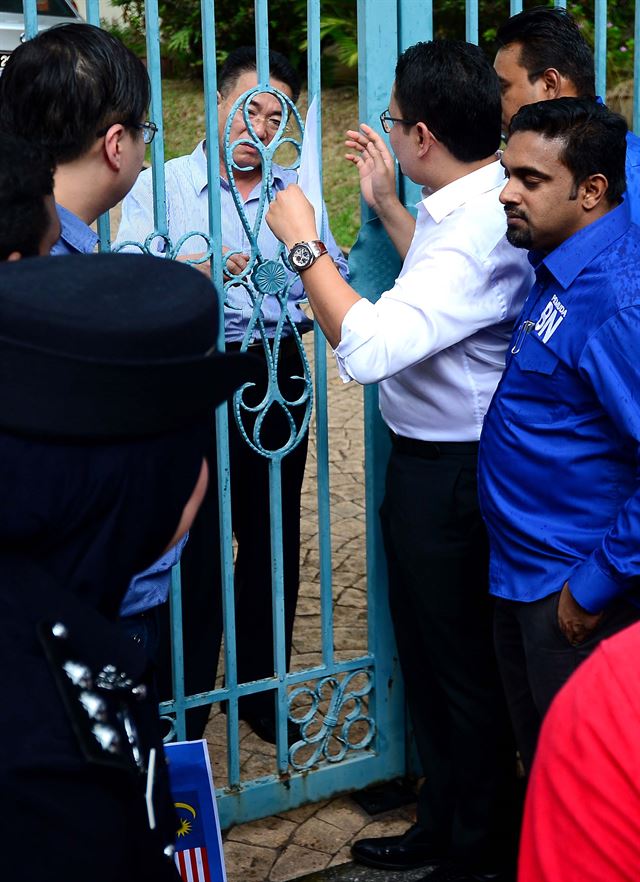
{"points": [[582, 814]]}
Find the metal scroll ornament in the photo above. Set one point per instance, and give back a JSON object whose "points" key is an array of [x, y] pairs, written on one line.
{"points": [[267, 277], [329, 731]]}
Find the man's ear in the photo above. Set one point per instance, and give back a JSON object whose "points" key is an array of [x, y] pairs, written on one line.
{"points": [[552, 83], [112, 145], [425, 138], [220, 98], [594, 190], [15, 255]]}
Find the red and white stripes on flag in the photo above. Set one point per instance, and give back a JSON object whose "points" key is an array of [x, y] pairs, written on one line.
{"points": [[193, 865]]}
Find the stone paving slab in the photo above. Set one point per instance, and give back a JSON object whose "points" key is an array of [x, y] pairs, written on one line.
{"points": [[310, 842], [356, 873]]}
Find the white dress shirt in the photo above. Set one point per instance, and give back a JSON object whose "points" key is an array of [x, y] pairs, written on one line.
{"points": [[436, 341]]}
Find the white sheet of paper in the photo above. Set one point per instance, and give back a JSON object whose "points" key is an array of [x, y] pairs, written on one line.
{"points": [[309, 170]]}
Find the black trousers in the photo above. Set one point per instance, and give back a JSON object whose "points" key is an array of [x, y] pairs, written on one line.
{"points": [[438, 562], [536, 659], [200, 564]]}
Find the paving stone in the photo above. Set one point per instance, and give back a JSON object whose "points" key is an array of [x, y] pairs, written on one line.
{"points": [[343, 857], [296, 861], [248, 863], [349, 616], [269, 832], [306, 660], [353, 597], [353, 637], [301, 814], [321, 836], [345, 814], [386, 827]]}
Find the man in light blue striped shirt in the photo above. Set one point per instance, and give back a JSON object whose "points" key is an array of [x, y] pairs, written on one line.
{"points": [[187, 200]]}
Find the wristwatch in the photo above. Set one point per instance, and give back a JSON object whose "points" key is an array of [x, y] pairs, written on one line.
{"points": [[304, 254]]}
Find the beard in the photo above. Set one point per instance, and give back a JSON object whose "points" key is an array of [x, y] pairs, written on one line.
{"points": [[519, 237]]}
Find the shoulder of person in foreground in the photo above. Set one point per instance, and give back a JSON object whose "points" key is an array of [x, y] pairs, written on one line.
{"points": [[582, 816]]}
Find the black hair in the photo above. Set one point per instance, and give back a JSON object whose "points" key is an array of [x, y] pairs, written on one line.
{"points": [[451, 87], [549, 37], [26, 177], [243, 60], [594, 138], [67, 84]]}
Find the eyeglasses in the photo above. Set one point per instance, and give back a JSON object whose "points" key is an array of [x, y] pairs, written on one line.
{"points": [[271, 123], [387, 122], [148, 129]]}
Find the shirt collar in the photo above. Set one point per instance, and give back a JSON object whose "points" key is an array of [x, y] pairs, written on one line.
{"points": [[76, 234], [453, 195], [198, 162], [569, 259]]}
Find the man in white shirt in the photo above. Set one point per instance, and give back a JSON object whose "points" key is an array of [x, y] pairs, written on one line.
{"points": [[436, 344]]}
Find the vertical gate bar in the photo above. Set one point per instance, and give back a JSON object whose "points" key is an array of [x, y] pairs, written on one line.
{"points": [[262, 39], [378, 42], [207, 8], [471, 21], [415, 22], [515, 6], [30, 12], [154, 68], [320, 361], [636, 70], [277, 594], [275, 482], [177, 652], [601, 48], [104, 224], [93, 12]]}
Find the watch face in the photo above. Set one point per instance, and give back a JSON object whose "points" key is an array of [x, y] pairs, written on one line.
{"points": [[301, 256]]}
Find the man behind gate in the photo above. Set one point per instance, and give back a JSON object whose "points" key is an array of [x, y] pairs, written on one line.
{"points": [[436, 344], [187, 211]]}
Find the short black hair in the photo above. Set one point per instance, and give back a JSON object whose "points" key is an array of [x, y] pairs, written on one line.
{"points": [[26, 177], [68, 83], [451, 87], [594, 138], [549, 37], [243, 60]]}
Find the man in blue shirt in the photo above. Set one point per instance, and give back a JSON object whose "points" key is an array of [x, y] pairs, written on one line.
{"points": [[544, 55], [558, 469], [242, 187]]}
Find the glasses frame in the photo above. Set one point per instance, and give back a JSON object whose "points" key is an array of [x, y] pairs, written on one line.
{"points": [[149, 130], [385, 119]]}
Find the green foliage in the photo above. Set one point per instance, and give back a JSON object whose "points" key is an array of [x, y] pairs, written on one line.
{"points": [[181, 29]]}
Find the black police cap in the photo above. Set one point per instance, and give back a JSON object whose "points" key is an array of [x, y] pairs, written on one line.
{"points": [[110, 346]]}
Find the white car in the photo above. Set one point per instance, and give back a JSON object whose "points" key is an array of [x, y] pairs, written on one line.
{"points": [[50, 13]]}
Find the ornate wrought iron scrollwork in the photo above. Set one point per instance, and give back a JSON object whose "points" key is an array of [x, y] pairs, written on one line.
{"points": [[334, 725], [266, 277]]}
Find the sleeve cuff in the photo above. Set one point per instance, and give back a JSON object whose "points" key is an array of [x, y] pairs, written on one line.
{"points": [[592, 587]]}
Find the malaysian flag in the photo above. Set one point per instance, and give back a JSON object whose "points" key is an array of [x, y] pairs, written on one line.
{"points": [[199, 856]]}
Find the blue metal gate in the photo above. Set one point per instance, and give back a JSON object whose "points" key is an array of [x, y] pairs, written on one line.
{"points": [[349, 710]]}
